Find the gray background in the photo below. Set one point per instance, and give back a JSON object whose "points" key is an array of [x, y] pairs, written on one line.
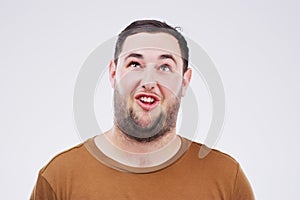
{"points": [[253, 44]]}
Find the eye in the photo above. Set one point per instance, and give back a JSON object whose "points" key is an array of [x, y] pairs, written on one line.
{"points": [[164, 68], [134, 65]]}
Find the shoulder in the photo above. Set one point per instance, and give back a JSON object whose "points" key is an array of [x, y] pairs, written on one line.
{"points": [[219, 168], [215, 162], [64, 160], [209, 154]]}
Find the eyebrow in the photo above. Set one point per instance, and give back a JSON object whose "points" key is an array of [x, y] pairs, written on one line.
{"points": [[135, 55], [140, 56], [167, 56]]}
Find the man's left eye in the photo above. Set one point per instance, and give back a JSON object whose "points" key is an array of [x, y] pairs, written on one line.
{"points": [[164, 68]]}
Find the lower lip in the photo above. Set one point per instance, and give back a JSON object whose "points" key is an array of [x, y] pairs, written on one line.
{"points": [[147, 107]]}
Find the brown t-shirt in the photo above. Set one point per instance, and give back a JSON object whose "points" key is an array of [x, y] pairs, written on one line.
{"points": [[84, 173]]}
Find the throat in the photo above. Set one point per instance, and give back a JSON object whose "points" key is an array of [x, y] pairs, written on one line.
{"points": [[142, 157]]}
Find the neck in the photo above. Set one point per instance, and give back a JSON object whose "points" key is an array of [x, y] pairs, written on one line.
{"points": [[127, 151], [123, 142]]}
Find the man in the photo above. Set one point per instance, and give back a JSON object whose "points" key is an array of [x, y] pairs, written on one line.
{"points": [[141, 156]]}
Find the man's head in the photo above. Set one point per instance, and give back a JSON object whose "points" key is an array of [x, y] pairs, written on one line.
{"points": [[149, 75], [152, 26]]}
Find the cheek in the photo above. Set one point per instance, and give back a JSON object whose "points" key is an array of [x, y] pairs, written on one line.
{"points": [[127, 82], [171, 85]]}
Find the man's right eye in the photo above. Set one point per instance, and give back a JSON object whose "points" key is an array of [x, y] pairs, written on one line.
{"points": [[134, 65]]}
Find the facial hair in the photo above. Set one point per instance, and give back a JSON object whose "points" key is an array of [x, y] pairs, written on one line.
{"points": [[126, 119]]}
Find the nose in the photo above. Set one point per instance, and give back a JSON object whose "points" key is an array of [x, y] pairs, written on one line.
{"points": [[148, 81], [149, 86]]}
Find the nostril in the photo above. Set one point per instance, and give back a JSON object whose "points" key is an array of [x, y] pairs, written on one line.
{"points": [[148, 86]]}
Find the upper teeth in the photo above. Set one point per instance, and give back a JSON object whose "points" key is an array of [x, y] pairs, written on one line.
{"points": [[147, 99]]}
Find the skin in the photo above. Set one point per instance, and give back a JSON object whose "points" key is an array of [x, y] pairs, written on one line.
{"points": [[149, 64]]}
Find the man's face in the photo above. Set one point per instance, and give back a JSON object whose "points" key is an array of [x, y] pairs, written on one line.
{"points": [[148, 85]]}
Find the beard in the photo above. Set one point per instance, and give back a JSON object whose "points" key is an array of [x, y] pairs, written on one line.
{"points": [[128, 120]]}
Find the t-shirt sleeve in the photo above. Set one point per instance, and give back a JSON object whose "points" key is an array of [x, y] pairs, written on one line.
{"points": [[42, 190], [242, 188]]}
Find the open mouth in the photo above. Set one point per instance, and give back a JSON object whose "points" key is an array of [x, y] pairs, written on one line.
{"points": [[147, 101]]}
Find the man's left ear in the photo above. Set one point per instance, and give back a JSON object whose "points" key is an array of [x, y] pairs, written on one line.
{"points": [[186, 80]]}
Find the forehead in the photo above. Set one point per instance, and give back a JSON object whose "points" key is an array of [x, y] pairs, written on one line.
{"points": [[159, 41]]}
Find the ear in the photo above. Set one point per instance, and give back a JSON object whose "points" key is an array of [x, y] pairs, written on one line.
{"points": [[112, 73], [186, 80]]}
